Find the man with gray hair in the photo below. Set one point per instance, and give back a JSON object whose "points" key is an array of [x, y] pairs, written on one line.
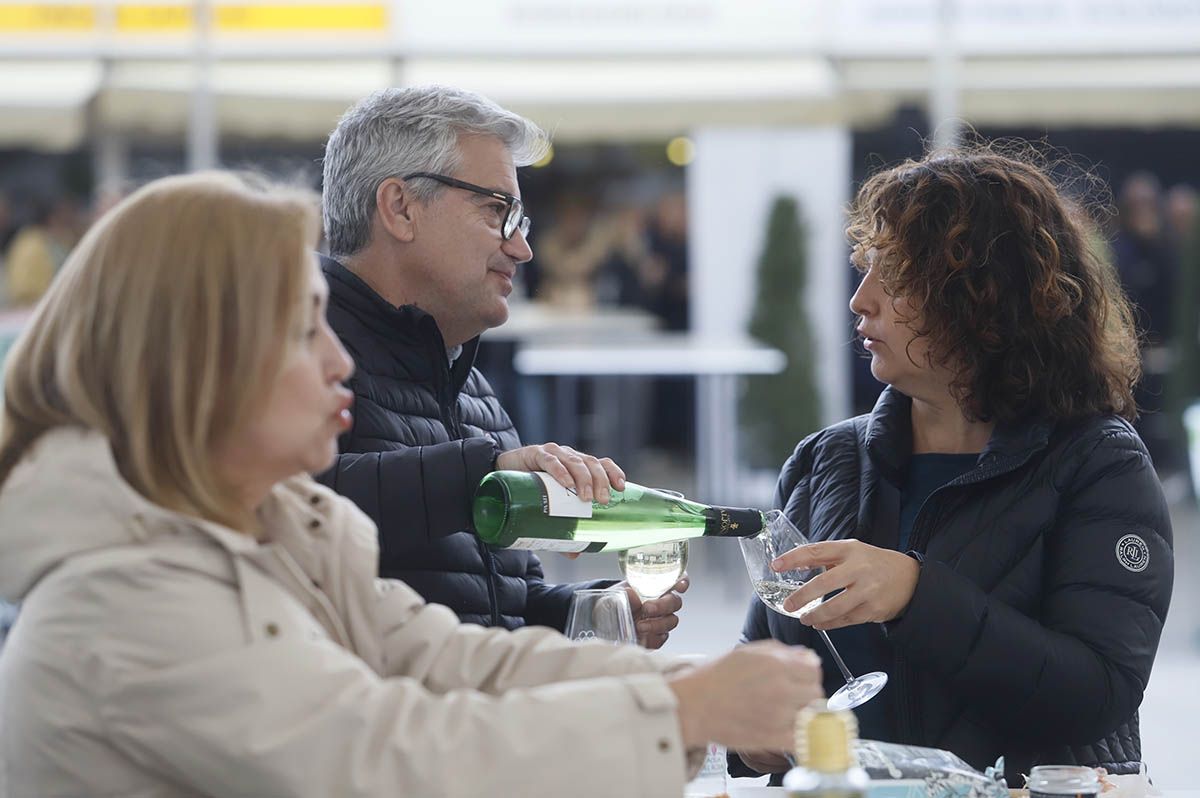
{"points": [[426, 229]]}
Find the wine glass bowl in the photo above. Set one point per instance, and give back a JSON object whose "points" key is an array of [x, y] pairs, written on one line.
{"points": [[653, 570], [779, 535], [601, 615]]}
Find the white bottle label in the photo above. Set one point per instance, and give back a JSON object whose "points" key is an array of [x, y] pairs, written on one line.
{"points": [[544, 544], [559, 502], [711, 781]]}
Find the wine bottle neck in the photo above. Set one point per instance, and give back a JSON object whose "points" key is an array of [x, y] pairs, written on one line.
{"points": [[732, 522]]}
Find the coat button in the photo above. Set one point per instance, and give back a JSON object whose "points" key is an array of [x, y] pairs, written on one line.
{"points": [[664, 745], [314, 524], [272, 630], [314, 500]]}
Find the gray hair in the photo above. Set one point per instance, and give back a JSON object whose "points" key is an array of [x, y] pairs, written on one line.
{"points": [[395, 132]]}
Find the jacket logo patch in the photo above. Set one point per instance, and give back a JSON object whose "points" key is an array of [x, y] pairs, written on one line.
{"points": [[1133, 553]]}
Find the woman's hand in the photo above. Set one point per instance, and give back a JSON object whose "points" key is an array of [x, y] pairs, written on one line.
{"points": [[748, 699], [877, 584]]}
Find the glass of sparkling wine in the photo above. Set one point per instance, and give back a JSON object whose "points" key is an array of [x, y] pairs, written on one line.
{"points": [[777, 537], [653, 570]]}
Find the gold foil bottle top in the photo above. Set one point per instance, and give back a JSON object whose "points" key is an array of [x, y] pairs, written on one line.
{"points": [[825, 738]]}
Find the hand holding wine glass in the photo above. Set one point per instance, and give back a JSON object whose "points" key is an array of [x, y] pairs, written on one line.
{"points": [[787, 581], [657, 617], [876, 584]]}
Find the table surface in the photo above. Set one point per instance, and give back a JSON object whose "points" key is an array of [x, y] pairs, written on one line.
{"points": [[757, 791], [532, 321], [749, 790], [657, 353]]}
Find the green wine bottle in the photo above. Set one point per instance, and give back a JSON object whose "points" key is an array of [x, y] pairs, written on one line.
{"points": [[522, 510]]}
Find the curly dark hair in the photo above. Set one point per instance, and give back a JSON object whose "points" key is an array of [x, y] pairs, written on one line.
{"points": [[1018, 297]]}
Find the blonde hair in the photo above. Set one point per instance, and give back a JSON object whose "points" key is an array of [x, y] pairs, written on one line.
{"points": [[163, 330]]}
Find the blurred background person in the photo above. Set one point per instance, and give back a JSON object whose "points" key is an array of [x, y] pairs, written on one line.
{"points": [[39, 248], [1182, 213], [571, 254], [665, 277], [1147, 264]]}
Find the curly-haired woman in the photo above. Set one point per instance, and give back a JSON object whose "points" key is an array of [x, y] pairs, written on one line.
{"points": [[994, 525]]}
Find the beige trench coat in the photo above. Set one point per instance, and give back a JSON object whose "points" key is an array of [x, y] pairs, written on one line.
{"points": [[160, 655]]}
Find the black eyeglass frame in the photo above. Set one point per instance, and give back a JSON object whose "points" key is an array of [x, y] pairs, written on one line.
{"points": [[514, 215]]}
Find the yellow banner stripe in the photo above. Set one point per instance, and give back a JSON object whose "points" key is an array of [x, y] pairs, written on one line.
{"points": [[47, 17], [365, 16], [154, 18]]}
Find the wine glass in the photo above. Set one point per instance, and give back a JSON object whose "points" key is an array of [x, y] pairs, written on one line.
{"points": [[653, 570], [601, 615], [779, 536]]}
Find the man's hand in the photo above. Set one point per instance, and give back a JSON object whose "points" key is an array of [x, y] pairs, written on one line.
{"points": [[656, 618], [591, 478], [877, 584]]}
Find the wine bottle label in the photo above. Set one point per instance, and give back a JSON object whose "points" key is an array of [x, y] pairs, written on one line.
{"points": [[547, 544], [559, 502]]}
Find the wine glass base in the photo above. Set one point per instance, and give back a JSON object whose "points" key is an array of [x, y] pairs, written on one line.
{"points": [[858, 691]]}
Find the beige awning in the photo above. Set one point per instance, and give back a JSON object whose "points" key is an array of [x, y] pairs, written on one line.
{"points": [[44, 103]]}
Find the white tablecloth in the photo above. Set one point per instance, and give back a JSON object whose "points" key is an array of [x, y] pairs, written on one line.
{"points": [[746, 788]]}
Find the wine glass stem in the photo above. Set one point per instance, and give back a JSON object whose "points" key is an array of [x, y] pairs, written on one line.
{"points": [[836, 656]]}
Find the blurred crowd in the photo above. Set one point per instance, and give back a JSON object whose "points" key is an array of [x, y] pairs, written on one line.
{"points": [[1154, 250], [591, 256], [35, 237]]}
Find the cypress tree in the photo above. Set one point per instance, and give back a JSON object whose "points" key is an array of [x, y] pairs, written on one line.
{"points": [[779, 410]]}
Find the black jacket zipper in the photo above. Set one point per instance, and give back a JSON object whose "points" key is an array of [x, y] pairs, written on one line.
{"points": [[453, 423], [921, 532]]}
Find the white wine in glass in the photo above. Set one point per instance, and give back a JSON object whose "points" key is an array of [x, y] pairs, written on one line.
{"points": [[654, 570], [773, 592], [773, 587]]}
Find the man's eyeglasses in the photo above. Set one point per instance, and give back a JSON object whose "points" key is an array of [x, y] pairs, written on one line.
{"points": [[514, 213]]}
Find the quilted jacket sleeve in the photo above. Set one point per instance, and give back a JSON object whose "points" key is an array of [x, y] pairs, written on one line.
{"points": [[431, 486], [547, 604], [1077, 672], [459, 712]]}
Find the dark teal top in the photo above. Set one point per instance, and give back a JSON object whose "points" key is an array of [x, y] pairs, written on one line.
{"points": [[927, 473]]}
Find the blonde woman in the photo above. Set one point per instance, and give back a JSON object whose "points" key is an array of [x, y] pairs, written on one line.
{"points": [[200, 618]]}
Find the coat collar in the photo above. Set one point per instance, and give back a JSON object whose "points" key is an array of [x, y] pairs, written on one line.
{"points": [[39, 532], [889, 437], [405, 326]]}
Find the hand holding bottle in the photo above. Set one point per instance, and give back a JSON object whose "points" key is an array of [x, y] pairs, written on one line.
{"points": [[591, 478], [749, 698]]}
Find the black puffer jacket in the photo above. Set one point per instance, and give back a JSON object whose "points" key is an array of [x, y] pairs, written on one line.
{"points": [[1046, 576], [424, 434]]}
